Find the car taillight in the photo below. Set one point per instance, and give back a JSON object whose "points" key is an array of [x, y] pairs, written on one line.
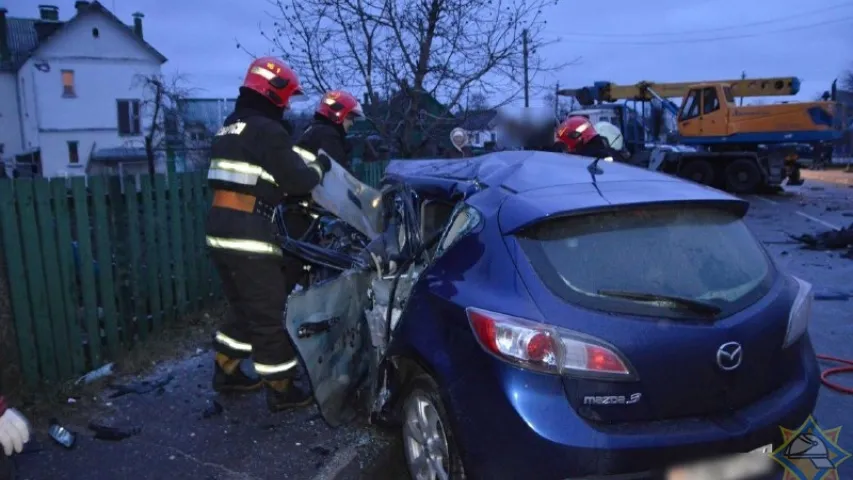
{"points": [[544, 348]]}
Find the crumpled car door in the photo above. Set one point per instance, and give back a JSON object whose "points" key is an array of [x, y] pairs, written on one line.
{"points": [[327, 325]]}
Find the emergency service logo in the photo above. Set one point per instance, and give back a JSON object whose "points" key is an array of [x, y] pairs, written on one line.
{"points": [[810, 453]]}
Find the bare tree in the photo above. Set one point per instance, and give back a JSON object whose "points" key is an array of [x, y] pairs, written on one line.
{"points": [[161, 95], [477, 101], [847, 80], [401, 52], [561, 105]]}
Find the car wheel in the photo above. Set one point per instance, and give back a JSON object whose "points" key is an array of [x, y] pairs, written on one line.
{"points": [[428, 440], [742, 176], [699, 171]]}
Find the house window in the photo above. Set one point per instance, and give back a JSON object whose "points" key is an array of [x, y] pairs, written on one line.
{"points": [[128, 117], [68, 83], [73, 154]]}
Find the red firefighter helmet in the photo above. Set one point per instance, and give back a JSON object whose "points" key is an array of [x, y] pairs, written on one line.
{"points": [[273, 79], [338, 105], [575, 131]]}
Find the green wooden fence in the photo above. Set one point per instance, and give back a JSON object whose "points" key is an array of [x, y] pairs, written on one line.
{"points": [[93, 268]]}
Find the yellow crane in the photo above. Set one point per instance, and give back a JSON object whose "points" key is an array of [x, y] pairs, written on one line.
{"points": [[732, 141], [645, 91]]}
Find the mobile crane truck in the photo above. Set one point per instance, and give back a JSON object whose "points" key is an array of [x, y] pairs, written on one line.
{"points": [[732, 147]]}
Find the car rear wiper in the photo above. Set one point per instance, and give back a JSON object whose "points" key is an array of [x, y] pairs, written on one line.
{"points": [[697, 306]]}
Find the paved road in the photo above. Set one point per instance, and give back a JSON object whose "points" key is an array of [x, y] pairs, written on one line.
{"points": [[816, 207], [244, 442]]}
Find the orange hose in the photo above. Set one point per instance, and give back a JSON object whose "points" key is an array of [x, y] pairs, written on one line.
{"points": [[846, 368]]}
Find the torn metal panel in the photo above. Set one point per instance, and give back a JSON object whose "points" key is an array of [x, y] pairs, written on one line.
{"points": [[327, 327], [380, 292], [349, 199], [378, 323]]}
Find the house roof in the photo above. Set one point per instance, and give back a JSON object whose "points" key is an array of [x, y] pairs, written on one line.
{"points": [[23, 40], [477, 119], [119, 154]]}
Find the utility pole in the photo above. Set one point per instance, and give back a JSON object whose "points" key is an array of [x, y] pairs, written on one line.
{"points": [[557, 101], [742, 77], [526, 76]]}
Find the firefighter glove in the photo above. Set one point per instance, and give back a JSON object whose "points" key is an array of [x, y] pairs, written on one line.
{"points": [[14, 431]]}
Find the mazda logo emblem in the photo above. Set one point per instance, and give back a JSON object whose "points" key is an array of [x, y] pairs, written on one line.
{"points": [[729, 356]]}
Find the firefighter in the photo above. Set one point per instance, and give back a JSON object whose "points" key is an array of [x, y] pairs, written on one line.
{"points": [[14, 434], [254, 165], [578, 136], [335, 115]]}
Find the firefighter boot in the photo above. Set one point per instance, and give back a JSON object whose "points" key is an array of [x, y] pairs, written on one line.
{"points": [[284, 394], [228, 377]]}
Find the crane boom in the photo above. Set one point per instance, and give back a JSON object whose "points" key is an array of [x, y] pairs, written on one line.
{"points": [[751, 87]]}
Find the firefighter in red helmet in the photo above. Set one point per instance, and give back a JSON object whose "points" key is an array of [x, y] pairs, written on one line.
{"points": [[335, 115], [578, 135], [254, 166]]}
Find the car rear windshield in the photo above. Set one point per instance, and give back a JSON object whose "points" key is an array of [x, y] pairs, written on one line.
{"points": [[698, 254]]}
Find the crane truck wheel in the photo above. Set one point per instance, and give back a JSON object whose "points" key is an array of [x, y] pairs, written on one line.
{"points": [[699, 171], [742, 176]]}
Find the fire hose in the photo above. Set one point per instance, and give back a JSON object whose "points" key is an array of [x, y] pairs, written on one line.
{"points": [[846, 367]]}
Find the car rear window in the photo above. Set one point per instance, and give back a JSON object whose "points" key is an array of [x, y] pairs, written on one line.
{"points": [[703, 254]]}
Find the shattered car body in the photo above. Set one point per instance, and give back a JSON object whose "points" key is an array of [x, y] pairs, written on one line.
{"points": [[484, 319]]}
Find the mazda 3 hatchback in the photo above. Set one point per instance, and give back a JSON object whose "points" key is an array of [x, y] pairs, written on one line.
{"points": [[538, 315]]}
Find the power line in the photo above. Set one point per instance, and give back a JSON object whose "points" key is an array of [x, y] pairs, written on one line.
{"points": [[721, 38], [712, 30]]}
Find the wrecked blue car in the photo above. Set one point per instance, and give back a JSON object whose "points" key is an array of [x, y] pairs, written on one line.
{"points": [[540, 315]]}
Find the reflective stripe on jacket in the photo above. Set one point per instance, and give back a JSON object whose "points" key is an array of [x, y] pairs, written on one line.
{"points": [[243, 245], [234, 171]]}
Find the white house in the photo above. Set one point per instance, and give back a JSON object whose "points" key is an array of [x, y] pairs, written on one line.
{"points": [[481, 129], [71, 90]]}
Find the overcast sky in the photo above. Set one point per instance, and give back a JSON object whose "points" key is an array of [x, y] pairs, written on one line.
{"points": [[623, 41]]}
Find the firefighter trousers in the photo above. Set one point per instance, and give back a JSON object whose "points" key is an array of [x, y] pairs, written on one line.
{"points": [[256, 287]]}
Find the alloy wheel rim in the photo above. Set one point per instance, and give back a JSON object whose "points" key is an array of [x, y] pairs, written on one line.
{"points": [[424, 440]]}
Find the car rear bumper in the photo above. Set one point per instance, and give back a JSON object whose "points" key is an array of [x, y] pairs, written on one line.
{"points": [[527, 429]]}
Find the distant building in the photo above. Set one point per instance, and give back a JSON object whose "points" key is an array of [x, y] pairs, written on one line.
{"points": [[190, 126], [427, 137], [481, 128], [70, 98]]}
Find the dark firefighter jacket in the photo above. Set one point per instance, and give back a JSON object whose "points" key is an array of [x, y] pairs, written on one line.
{"points": [[330, 137], [252, 154], [598, 147]]}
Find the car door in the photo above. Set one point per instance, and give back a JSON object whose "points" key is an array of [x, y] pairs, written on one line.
{"points": [[712, 121], [327, 323], [688, 125]]}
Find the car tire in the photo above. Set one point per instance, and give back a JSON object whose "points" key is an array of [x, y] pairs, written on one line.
{"points": [[699, 171], [742, 176], [423, 415]]}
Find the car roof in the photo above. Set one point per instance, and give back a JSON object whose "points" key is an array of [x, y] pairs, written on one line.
{"points": [[519, 171], [537, 185]]}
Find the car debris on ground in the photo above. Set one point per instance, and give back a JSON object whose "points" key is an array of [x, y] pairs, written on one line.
{"points": [[829, 240]]}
